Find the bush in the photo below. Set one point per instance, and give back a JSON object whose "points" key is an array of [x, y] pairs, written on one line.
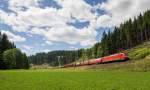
{"points": [[139, 53], [15, 59]]}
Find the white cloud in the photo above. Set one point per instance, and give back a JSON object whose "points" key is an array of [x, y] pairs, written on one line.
{"points": [[70, 35], [104, 21], [121, 10], [18, 5], [14, 38], [29, 49], [26, 47], [74, 48], [37, 31], [48, 42], [46, 50], [29, 52], [54, 20], [77, 8], [88, 42]]}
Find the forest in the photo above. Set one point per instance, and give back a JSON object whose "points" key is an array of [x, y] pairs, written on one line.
{"points": [[10, 56]]}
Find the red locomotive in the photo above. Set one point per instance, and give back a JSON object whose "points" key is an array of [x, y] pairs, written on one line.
{"points": [[106, 59]]}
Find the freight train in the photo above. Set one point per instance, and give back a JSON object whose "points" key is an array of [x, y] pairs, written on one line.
{"points": [[112, 58]]}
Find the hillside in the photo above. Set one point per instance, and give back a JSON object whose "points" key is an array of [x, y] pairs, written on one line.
{"points": [[139, 60]]}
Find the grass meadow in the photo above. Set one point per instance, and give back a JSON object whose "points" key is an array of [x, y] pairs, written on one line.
{"points": [[47, 79]]}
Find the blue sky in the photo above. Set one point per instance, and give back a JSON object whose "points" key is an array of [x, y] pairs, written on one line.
{"points": [[47, 25]]}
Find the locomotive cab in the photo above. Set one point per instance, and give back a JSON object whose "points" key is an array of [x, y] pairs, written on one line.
{"points": [[125, 56]]}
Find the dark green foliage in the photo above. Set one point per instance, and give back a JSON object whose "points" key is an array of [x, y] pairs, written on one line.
{"points": [[127, 35], [15, 59], [5, 44], [10, 57], [66, 56], [52, 57], [25, 63]]}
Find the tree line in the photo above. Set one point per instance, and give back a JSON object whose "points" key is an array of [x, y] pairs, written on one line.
{"points": [[61, 57], [129, 34], [10, 56], [54, 58]]}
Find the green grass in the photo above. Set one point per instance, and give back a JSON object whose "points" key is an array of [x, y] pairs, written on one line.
{"points": [[131, 75], [73, 80]]}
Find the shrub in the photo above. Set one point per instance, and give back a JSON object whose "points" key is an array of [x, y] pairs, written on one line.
{"points": [[139, 53], [15, 59]]}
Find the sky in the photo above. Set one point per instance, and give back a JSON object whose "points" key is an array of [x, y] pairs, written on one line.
{"points": [[47, 25]]}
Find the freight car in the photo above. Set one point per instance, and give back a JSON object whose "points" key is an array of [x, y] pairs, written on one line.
{"points": [[106, 59]]}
